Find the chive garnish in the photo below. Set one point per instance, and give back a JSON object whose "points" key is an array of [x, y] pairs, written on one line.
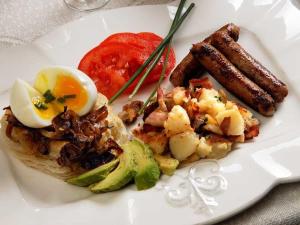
{"points": [[178, 13], [137, 87], [160, 47], [65, 97], [40, 105], [147, 72], [218, 98], [49, 97], [158, 83]]}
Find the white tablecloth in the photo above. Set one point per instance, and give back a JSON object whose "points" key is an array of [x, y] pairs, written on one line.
{"points": [[22, 21]]}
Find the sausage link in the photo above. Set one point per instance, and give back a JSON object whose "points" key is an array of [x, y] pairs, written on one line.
{"points": [[187, 69], [249, 66], [190, 68], [232, 79]]}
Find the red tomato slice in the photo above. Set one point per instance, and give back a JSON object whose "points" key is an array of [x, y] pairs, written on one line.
{"points": [[114, 61], [150, 36], [126, 38], [156, 40], [111, 66], [148, 41]]}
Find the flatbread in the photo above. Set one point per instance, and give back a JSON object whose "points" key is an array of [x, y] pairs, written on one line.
{"points": [[21, 148]]}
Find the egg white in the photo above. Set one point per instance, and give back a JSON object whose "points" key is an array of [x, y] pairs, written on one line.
{"points": [[21, 95]]}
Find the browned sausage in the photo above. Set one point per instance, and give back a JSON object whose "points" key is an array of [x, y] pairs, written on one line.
{"points": [[232, 79], [189, 68], [249, 66], [230, 29]]}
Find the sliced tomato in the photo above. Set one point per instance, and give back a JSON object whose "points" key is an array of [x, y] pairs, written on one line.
{"points": [[156, 40], [126, 38], [111, 66], [149, 36], [145, 41], [114, 61]]}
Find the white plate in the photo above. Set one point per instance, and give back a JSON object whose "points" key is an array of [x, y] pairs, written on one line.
{"points": [[270, 30]]}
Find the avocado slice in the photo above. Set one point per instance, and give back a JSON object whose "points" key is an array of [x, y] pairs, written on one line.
{"points": [[94, 175], [122, 175], [167, 164], [147, 170]]}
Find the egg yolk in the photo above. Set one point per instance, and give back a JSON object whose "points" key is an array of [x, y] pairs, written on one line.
{"points": [[68, 86], [46, 113], [67, 92]]}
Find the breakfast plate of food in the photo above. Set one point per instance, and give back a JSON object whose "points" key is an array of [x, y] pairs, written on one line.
{"points": [[183, 113]]}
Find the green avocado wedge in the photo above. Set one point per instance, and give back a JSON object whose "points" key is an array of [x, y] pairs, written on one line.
{"points": [[122, 175], [136, 163], [94, 175], [147, 170]]}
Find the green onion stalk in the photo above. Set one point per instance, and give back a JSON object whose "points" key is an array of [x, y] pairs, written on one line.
{"points": [[157, 52]]}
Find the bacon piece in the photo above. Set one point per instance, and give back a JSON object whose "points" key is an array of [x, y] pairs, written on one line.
{"points": [[251, 132], [199, 122], [149, 109], [157, 118], [160, 99], [149, 128], [214, 138], [130, 112], [200, 83], [224, 126]]}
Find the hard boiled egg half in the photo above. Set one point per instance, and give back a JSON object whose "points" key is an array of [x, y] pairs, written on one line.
{"points": [[54, 88]]}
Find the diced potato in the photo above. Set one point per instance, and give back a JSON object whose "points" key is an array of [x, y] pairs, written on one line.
{"points": [[179, 95], [192, 108], [178, 121], [237, 125], [203, 148], [204, 105], [219, 150], [192, 158], [210, 102], [216, 108], [157, 141], [248, 117], [229, 105], [208, 94], [213, 128], [183, 145], [212, 125]]}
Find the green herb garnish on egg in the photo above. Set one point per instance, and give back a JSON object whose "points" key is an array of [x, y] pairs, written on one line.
{"points": [[65, 97], [40, 105], [49, 97]]}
